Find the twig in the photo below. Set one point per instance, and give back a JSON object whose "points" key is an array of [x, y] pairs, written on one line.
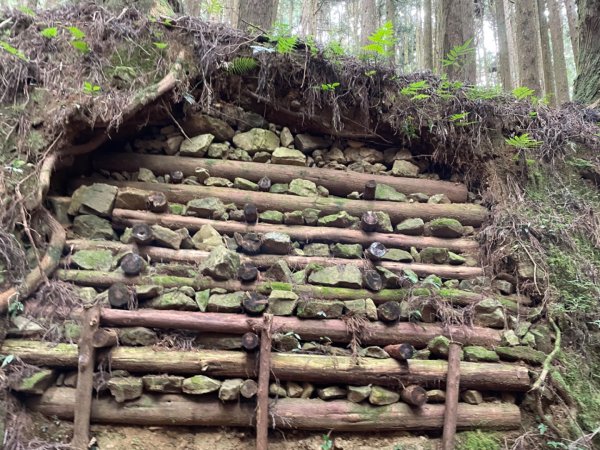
{"points": [[548, 361]]}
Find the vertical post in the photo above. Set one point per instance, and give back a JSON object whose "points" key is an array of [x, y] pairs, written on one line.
{"points": [[85, 378], [262, 397], [452, 389]]}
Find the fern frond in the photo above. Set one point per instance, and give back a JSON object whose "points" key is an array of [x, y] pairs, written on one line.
{"points": [[241, 65]]}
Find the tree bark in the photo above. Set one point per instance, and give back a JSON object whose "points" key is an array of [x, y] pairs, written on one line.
{"points": [[262, 396], [427, 35], [453, 381], [503, 58], [257, 15], [573, 31], [390, 15], [337, 182], [284, 366], [547, 61], [558, 52], [527, 39], [368, 22], [304, 414], [587, 83], [308, 18], [459, 27]]}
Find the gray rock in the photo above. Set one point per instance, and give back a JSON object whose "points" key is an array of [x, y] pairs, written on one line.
{"points": [[411, 227], [245, 185], [165, 384], [146, 175], [320, 309], [331, 393], [218, 151], [125, 388], [97, 199], [311, 216], [381, 396], [172, 300], [439, 199], [348, 276], [257, 139], [271, 216], [293, 218], [237, 154], [349, 251], [276, 390], [323, 191], [198, 123], [403, 168], [276, 243], [385, 192], [196, 146], [288, 156], [230, 390], [359, 154], [339, 220], [384, 224], [362, 307], [207, 238], [218, 182], [35, 383], [166, 237], [308, 143], [510, 338], [357, 394], [93, 227], [373, 352], [436, 396], [279, 271], [316, 249], [137, 336], [221, 264], [282, 303], [293, 390], [418, 197], [208, 208], [279, 188], [287, 342], [503, 286], [303, 188], [434, 255], [225, 303], [455, 259], [446, 228], [398, 255], [93, 259], [200, 384], [201, 174]]}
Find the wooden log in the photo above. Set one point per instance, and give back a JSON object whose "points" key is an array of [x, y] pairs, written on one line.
{"points": [[453, 382], [321, 369], [296, 232], [157, 202], [369, 191], [369, 221], [176, 176], [249, 388], [247, 272], [85, 378], [119, 295], [338, 183], [262, 396], [288, 413], [264, 261], [141, 234], [400, 352], [372, 280], [254, 303], [250, 341], [105, 338], [376, 251], [264, 184], [250, 213], [132, 264], [465, 213], [414, 395], [389, 312]]}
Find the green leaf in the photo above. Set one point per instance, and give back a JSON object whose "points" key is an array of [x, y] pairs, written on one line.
{"points": [[381, 40], [522, 92], [49, 32], [76, 33], [213, 7], [13, 51], [7, 360], [457, 55], [81, 46], [523, 141], [160, 45], [241, 65], [26, 10]]}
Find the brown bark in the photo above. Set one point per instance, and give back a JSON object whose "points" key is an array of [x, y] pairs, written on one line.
{"points": [[262, 396], [284, 366], [573, 31], [587, 83], [400, 352], [257, 15], [427, 36], [459, 27], [369, 191], [337, 182], [296, 232], [547, 62], [390, 16], [85, 378], [250, 341], [119, 295], [503, 58], [308, 18], [307, 414], [453, 382], [414, 395], [527, 32], [558, 52], [105, 338], [368, 22]]}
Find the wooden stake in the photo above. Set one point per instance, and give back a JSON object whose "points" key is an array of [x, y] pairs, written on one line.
{"points": [[369, 192], [85, 378], [452, 390], [262, 397]]}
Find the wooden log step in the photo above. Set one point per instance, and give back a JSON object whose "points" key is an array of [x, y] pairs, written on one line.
{"points": [[99, 279], [287, 413], [466, 213], [160, 254], [284, 366], [339, 183], [296, 232]]}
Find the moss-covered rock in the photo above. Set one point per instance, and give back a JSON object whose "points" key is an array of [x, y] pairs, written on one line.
{"points": [[172, 300], [200, 384], [208, 208], [381, 396], [398, 255], [257, 139], [93, 227], [476, 353], [446, 228], [339, 276], [340, 220], [165, 384], [316, 249], [411, 227], [348, 251], [271, 216], [93, 259], [433, 255], [97, 199], [288, 156], [320, 309], [385, 192], [125, 388], [221, 264], [35, 383], [521, 353], [196, 146]]}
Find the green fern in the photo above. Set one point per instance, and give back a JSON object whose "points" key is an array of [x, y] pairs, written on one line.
{"points": [[460, 119], [49, 32], [241, 65], [334, 49], [213, 7], [328, 87], [523, 93], [523, 141], [281, 36], [13, 51], [484, 93], [415, 90], [456, 57], [381, 40]]}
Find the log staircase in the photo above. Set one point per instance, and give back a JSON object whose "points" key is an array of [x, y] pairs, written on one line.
{"points": [[283, 289]]}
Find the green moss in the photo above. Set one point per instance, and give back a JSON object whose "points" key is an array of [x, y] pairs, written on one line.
{"points": [[477, 440], [581, 376]]}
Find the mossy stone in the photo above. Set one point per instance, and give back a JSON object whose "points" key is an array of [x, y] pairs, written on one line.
{"points": [[347, 251], [316, 249], [200, 384], [476, 353], [398, 255], [331, 393], [320, 309], [433, 255], [340, 220], [381, 396], [446, 228], [35, 383], [172, 300], [245, 185], [303, 188], [411, 227], [521, 353], [279, 188], [271, 216], [125, 388], [348, 276], [386, 192], [93, 259], [93, 227]]}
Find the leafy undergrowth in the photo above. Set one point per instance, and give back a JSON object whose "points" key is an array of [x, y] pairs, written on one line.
{"points": [[477, 440]]}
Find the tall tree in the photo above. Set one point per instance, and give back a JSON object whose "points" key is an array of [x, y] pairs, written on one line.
{"points": [[587, 83], [503, 61], [309, 18], [547, 66], [527, 31], [558, 52], [427, 35], [390, 16], [459, 27], [257, 13], [573, 32], [368, 22]]}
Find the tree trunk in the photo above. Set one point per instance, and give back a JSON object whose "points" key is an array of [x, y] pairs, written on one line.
{"points": [[287, 413], [547, 65], [587, 83], [427, 36], [558, 52], [368, 22], [255, 14], [509, 9], [573, 31], [527, 37], [459, 28], [308, 18], [452, 391], [390, 14], [503, 58]]}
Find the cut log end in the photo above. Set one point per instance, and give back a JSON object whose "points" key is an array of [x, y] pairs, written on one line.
{"points": [[264, 184], [249, 243], [254, 303], [400, 352], [119, 295], [247, 273], [132, 264], [157, 202], [141, 234], [249, 388], [389, 312], [250, 342], [250, 213], [369, 192], [104, 338], [414, 395], [369, 221], [373, 280], [376, 251], [176, 177]]}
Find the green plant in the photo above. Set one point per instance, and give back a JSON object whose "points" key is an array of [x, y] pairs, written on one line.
{"points": [[477, 440], [76, 33], [26, 10], [458, 54], [522, 93], [522, 141], [334, 49], [484, 93], [241, 65], [15, 308], [327, 442], [13, 51], [7, 360], [381, 40], [282, 37], [329, 87], [446, 88], [90, 88], [460, 119], [414, 90], [160, 45], [311, 45], [81, 46], [213, 7], [49, 32], [370, 73]]}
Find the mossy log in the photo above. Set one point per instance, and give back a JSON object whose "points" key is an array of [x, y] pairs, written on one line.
{"points": [[160, 254], [301, 233], [284, 366], [338, 182], [99, 279], [47, 265], [306, 414], [465, 213]]}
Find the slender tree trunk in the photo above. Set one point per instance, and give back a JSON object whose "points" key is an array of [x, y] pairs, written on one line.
{"points": [[558, 52], [390, 14], [513, 59], [573, 31], [257, 13], [459, 28], [427, 36], [368, 23], [587, 83], [503, 59], [527, 29], [308, 19], [547, 66]]}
